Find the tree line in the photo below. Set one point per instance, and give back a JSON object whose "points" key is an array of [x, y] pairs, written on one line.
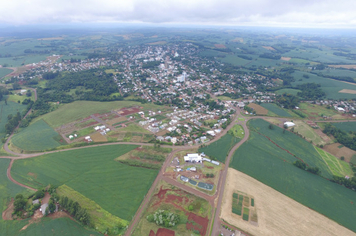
{"points": [[342, 137]]}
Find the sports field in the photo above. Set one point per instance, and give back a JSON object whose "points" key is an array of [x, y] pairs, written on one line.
{"points": [[93, 172], [38, 136], [275, 109], [267, 163], [345, 126], [220, 148]]}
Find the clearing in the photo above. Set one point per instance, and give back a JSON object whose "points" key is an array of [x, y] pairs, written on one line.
{"points": [[258, 109], [277, 213], [350, 91]]}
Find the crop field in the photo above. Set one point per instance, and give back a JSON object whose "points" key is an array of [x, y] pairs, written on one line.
{"points": [[275, 109], [5, 110], [330, 199], [277, 214], [339, 72], [345, 126], [4, 72], [38, 136], [329, 86], [308, 132], [315, 111], [336, 166], [339, 150], [288, 145], [80, 109], [258, 109], [220, 148], [93, 172], [288, 91]]}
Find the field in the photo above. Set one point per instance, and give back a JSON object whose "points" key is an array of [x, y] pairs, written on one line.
{"points": [[38, 136], [93, 172], [316, 112], [237, 131], [336, 166], [277, 213], [258, 153], [193, 212], [345, 126], [275, 109], [220, 148], [309, 133], [343, 66], [4, 72], [79, 109], [135, 128], [5, 110], [258, 109], [288, 91], [340, 151]]}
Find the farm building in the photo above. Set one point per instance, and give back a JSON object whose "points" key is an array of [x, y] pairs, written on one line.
{"points": [[289, 124], [43, 208], [183, 178], [37, 201], [193, 157]]}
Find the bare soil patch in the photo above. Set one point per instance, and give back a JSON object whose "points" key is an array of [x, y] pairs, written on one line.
{"points": [[343, 66], [268, 48], [285, 58], [97, 137], [277, 213], [219, 45], [162, 232], [259, 109], [340, 152], [350, 91], [128, 111], [7, 214]]}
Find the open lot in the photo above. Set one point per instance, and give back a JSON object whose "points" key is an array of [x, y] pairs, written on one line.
{"points": [[321, 195], [93, 172], [258, 109], [277, 213]]}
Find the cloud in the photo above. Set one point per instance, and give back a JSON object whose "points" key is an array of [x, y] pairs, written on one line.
{"points": [[225, 12]]}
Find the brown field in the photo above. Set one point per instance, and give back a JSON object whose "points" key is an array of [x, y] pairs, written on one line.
{"points": [[116, 120], [348, 91], [340, 152], [97, 137], [285, 58], [343, 66], [241, 40], [219, 45], [277, 213], [268, 48], [54, 38], [157, 43], [259, 110]]}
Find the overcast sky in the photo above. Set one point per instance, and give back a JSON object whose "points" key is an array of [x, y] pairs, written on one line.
{"points": [[290, 13]]}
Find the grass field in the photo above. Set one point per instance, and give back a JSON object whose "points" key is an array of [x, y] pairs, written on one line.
{"points": [[275, 109], [38, 136], [117, 188], [220, 148], [21, 98], [321, 195], [308, 132], [135, 128], [237, 131], [336, 166], [79, 109], [288, 91], [5, 110], [315, 111], [4, 72], [345, 126], [258, 109]]}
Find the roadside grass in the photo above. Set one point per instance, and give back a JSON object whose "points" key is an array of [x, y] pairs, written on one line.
{"points": [[276, 109], [336, 166], [220, 148], [93, 172], [264, 161], [102, 219], [308, 132], [135, 128], [38, 136]]}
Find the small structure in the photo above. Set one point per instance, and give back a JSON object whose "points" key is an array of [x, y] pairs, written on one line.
{"points": [[341, 109], [289, 124], [37, 201], [193, 157], [70, 136], [43, 208], [184, 179], [215, 163]]}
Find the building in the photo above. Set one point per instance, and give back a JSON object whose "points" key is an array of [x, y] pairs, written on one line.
{"points": [[289, 124], [193, 157], [43, 208]]}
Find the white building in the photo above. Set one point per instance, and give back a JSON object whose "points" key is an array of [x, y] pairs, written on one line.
{"points": [[193, 157], [289, 124]]}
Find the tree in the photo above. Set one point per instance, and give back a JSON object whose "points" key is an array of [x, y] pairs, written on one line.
{"points": [[28, 93], [16, 86], [270, 126]]}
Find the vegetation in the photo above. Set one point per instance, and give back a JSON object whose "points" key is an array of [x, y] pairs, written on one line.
{"points": [[337, 167], [348, 140], [275, 109], [237, 131], [164, 218]]}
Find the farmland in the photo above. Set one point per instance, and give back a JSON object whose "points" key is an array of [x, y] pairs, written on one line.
{"points": [[258, 109], [220, 148], [5, 110], [346, 126], [4, 72], [319, 194], [277, 213], [336, 166], [288, 91], [309, 133], [193, 212], [275, 109], [313, 111], [93, 172], [38, 136]]}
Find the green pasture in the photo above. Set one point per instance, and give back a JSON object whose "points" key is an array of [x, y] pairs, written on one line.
{"points": [[288, 91], [264, 161], [308, 132], [4, 72], [345, 126], [336, 166], [314, 111], [339, 72], [220, 148], [5, 110], [80, 109], [93, 172], [38, 136], [275, 109]]}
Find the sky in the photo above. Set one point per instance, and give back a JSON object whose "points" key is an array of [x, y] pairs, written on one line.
{"points": [[279, 13]]}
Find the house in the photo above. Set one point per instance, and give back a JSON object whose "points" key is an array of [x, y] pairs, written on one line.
{"points": [[184, 179], [43, 208], [193, 157], [341, 109], [289, 124], [37, 201], [193, 169], [215, 163], [160, 138], [70, 136], [210, 132]]}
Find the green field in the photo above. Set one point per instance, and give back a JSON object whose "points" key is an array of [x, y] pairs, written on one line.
{"points": [[345, 126], [38, 136], [264, 161], [314, 111], [5, 110], [135, 128], [4, 71], [80, 109], [288, 91], [93, 172], [275, 109], [308, 132], [336, 166], [220, 148], [237, 131]]}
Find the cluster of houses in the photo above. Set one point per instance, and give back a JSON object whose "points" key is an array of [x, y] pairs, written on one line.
{"points": [[102, 129], [198, 158]]}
